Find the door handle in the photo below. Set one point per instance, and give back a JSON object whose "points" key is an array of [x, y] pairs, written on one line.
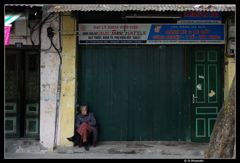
{"points": [[193, 98]]}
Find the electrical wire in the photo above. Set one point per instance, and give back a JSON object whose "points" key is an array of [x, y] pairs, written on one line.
{"points": [[39, 26], [60, 57], [52, 19], [32, 29]]}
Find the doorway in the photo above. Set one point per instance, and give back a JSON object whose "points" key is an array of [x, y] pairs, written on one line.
{"points": [[22, 93], [206, 89], [135, 92]]}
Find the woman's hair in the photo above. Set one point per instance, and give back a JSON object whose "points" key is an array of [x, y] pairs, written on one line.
{"points": [[84, 105]]}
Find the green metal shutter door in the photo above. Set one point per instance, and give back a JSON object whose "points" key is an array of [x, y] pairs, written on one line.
{"points": [[135, 92]]}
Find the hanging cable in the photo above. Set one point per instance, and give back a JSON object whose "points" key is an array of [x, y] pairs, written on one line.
{"points": [[38, 25], [60, 57], [50, 36]]}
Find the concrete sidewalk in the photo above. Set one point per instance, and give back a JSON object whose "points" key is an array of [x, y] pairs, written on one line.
{"points": [[121, 150]]}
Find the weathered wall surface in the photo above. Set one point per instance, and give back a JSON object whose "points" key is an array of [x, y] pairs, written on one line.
{"points": [[48, 84], [49, 79], [68, 80]]}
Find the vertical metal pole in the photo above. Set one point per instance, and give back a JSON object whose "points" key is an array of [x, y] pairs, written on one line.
{"points": [[57, 106]]}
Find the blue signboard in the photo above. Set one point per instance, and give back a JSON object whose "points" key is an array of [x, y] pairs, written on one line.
{"points": [[186, 33], [151, 34]]}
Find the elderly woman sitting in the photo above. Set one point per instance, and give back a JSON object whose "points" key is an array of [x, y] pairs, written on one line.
{"points": [[85, 126]]}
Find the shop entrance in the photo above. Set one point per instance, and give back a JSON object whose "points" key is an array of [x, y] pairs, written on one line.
{"points": [[136, 92]]}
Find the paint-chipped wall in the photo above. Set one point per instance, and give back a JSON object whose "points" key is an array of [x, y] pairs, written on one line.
{"points": [[68, 79], [48, 85], [52, 129]]}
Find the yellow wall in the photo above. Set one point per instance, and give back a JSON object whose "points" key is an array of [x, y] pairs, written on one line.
{"points": [[229, 74], [67, 105]]}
